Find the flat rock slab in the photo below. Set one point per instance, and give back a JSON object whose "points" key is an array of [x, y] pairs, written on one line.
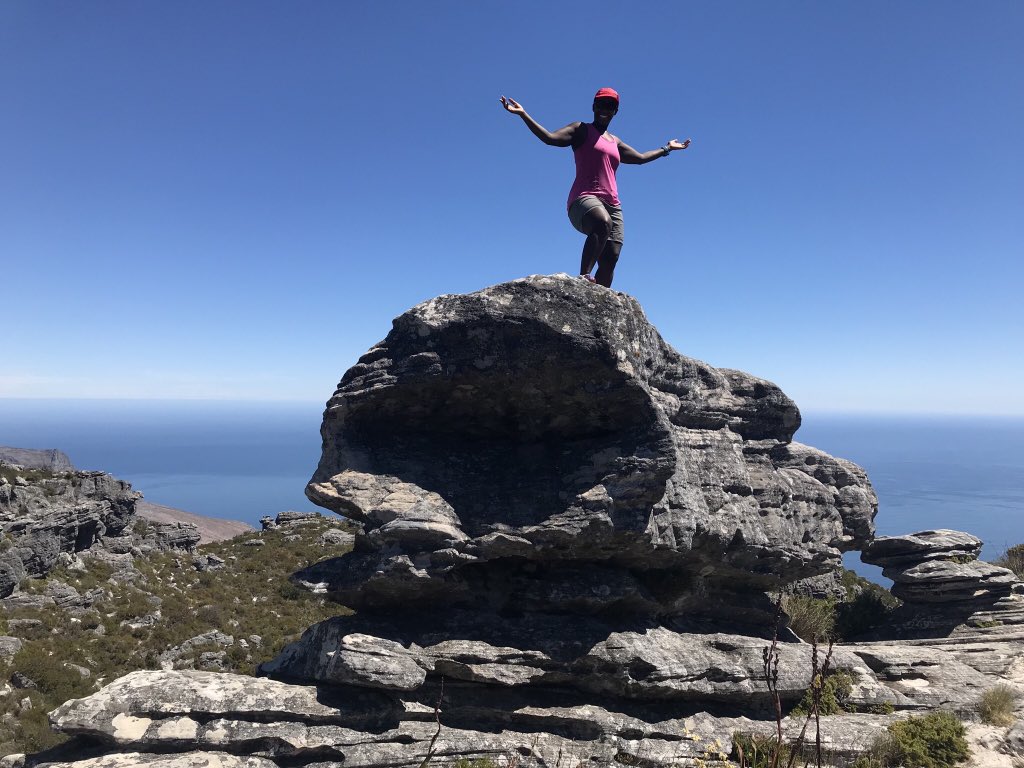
{"points": [[927, 677], [124, 711], [912, 548], [945, 581], [185, 760], [648, 663]]}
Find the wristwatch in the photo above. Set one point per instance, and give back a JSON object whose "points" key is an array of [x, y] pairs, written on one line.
{"points": [[668, 150]]}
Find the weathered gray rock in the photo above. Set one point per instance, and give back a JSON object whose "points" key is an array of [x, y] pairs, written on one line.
{"points": [[184, 716], [214, 637], [828, 586], [19, 680], [1014, 739], [63, 595], [944, 581], [59, 513], [208, 562], [9, 646], [566, 532], [172, 535], [641, 663], [209, 759], [291, 517], [945, 590], [926, 677], [77, 669], [28, 601], [124, 710], [12, 571], [336, 537], [47, 459], [914, 548], [540, 421]]}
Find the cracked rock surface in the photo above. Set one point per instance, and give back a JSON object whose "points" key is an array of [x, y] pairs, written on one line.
{"points": [[542, 435]]}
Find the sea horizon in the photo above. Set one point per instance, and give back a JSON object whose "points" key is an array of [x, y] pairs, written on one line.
{"points": [[243, 459]]}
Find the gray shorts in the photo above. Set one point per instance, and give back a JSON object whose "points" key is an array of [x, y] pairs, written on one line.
{"points": [[581, 206]]}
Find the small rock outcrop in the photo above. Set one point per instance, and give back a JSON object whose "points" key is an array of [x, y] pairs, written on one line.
{"points": [[945, 589], [49, 459], [46, 515]]}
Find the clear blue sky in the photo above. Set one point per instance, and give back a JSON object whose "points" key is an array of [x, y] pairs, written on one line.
{"points": [[233, 199]]}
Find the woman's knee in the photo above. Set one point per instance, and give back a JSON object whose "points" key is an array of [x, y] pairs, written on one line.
{"points": [[598, 222]]}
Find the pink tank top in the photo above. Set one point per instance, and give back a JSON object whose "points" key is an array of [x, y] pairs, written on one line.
{"points": [[596, 160]]}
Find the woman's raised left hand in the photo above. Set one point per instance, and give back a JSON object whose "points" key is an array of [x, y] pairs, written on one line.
{"points": [[676, 144]]}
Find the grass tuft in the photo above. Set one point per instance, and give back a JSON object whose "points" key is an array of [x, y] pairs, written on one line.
{"points": [[996, 705]]}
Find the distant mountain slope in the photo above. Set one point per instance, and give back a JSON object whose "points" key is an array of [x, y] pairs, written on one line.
{"points": [[49, 458], [210, 528]]}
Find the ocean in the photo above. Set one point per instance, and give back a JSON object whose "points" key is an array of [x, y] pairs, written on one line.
{"points": [[245, 460]]}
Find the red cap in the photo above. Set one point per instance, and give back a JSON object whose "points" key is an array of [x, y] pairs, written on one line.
{"points": [[607, 93]]}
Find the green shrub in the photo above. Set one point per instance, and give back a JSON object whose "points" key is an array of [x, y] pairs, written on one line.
{"points": [[935, 740], [812, 619], [883, 753], [479, 762], [866, 606], [1013, 558], [996, 705], [48, 672], [211, 614], [132, 604], [835, 693], [31, 731]]}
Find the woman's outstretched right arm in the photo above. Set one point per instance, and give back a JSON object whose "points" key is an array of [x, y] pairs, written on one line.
{"points": [[563, 137]]}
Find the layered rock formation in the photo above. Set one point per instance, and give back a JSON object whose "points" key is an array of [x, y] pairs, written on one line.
{"points": [[945, 589], [543, 436], [45, 515], [567, 533]]}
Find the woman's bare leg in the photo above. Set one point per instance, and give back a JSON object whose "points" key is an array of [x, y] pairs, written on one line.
{"points": [[598, 225], [606, 263]]}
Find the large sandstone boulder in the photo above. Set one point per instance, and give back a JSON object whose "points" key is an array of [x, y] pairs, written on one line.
{"points": [[541, 435]]}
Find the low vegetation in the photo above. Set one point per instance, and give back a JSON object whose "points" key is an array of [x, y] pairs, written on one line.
{"points": [[833, 697], [864, 607], [249, 599], [1013, 558], [813, 619], [9, 473], [935, 740], [996, 705]]}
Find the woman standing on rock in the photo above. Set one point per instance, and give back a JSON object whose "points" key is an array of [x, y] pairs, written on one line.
{"points": [[593, 200]]}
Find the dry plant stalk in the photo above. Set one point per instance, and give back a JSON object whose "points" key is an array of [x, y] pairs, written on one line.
{"points": [[818, 676], [433, 739], [770, 672]]}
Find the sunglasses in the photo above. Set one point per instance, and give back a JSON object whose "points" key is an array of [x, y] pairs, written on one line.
{"points": [[609, 105]]}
